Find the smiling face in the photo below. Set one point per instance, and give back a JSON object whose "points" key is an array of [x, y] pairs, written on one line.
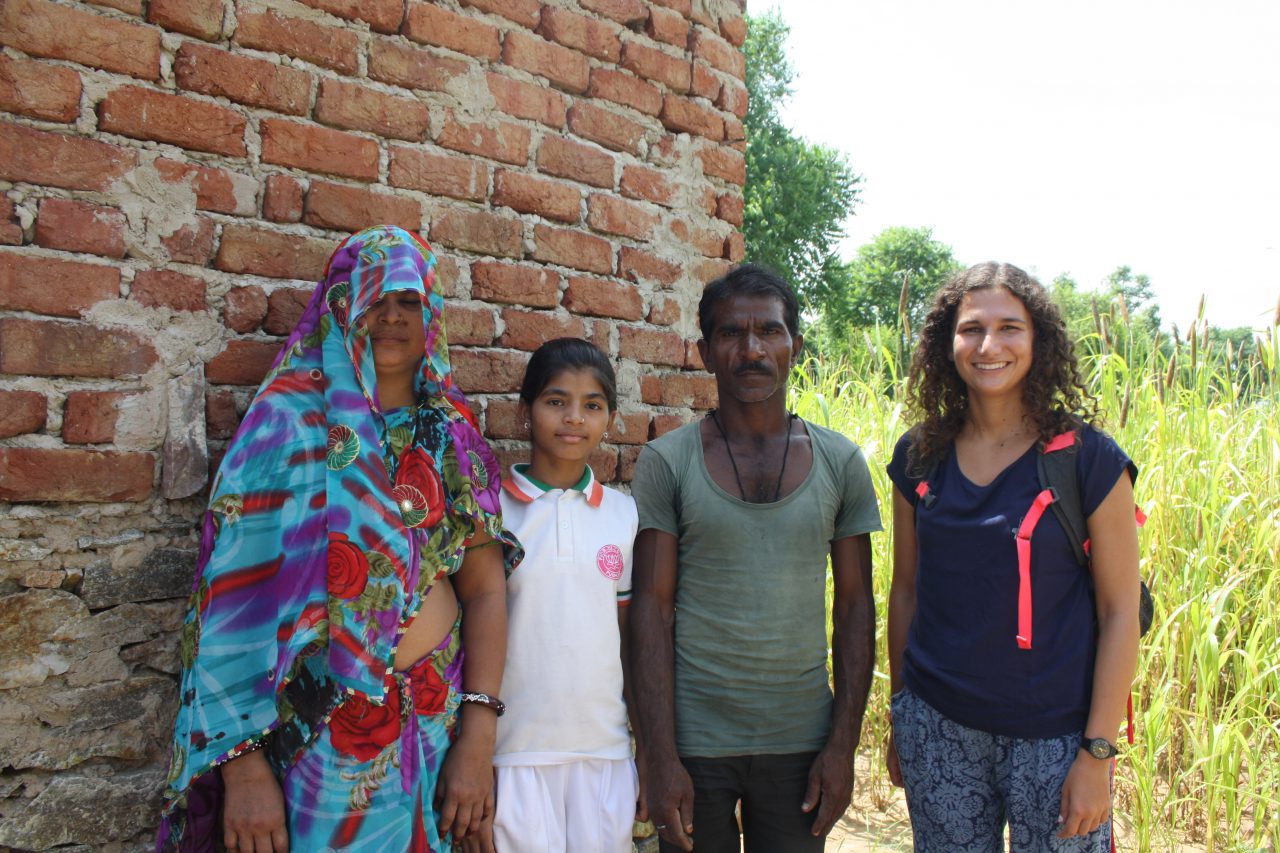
{"points": [[750, 350], [992, 344], [568, 418], [398, 339]]}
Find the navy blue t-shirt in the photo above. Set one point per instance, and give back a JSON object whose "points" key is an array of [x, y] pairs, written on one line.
{"points": [[962, 655]]}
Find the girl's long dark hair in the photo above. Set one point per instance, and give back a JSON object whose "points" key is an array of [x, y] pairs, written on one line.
{"points": [[938, 400]]}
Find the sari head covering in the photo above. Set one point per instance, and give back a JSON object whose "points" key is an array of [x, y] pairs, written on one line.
{"points": [[328, 522]]}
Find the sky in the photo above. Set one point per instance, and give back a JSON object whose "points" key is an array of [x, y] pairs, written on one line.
{"points": [[1062, 137]]}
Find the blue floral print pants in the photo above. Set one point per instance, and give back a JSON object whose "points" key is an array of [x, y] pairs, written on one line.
{"points": [[964, 785]]}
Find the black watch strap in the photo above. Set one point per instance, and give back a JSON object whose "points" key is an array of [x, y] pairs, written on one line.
{"points": [[1099, 748]]}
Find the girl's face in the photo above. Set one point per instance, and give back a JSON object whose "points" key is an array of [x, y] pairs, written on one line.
{"points": [[569, 417], [992, 345]]}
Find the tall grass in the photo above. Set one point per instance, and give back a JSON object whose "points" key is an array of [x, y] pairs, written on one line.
{"points": [[1204, 429]]}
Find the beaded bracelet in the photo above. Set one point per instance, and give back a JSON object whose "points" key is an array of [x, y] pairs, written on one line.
{"points": [[492, 702]]}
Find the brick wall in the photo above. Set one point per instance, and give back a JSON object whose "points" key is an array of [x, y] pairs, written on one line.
{"points": [[173, 175]]}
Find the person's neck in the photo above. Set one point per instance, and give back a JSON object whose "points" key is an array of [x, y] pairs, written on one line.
{"points": [[554, 472], [997, 421], [755, 421], [395, 395]]}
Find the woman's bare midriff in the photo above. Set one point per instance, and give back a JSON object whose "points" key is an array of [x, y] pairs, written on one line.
{"points": [[434, 620]]}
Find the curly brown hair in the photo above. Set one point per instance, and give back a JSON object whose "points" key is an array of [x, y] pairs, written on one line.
{"points": [[938, 400]]}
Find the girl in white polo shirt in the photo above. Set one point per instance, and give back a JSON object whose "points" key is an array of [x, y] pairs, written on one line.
{"points": [[566, 782]]}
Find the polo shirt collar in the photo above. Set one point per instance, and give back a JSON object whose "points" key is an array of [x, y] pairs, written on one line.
{"points": [[525, 489]]}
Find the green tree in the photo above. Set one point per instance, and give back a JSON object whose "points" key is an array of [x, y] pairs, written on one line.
{"points": [[897, 257], [797, 195]]}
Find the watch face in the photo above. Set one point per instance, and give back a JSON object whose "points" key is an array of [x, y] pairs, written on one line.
{"points": [[1100, 749]]}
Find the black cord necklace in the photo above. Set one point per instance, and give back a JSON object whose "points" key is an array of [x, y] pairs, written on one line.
{"points": [[777, 490]]}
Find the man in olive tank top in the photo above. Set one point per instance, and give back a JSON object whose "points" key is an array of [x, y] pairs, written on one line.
{"points": [[739, 512]]}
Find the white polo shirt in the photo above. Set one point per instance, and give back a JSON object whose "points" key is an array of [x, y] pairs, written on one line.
{"points": [[563, 680]]}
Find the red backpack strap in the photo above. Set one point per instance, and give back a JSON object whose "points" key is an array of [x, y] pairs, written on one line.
{"points": [[1025, 529]]}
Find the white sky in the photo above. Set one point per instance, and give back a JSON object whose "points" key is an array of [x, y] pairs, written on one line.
{"points": [[1064, 137]]}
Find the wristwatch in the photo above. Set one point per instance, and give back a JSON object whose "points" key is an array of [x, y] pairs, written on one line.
{"points": [[1099, 748]]}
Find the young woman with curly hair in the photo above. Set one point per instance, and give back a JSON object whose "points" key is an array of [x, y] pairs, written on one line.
{"points": [[1010, 663]]}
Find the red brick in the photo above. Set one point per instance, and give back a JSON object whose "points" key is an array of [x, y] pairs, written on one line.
{"points": [[654, 64], [630, 428], [41, 28], [625, 12], [270, 254], [572, 249], [733, 99], [735, 132], [565, 68], [430, 24], [192, 243], [528, 194], [129, 7], [39, 90], [199, 18], [735, 247], [319, 149], [652, 346], [604, 463], [54, 287], [709, 46], [686, 116], [488, 371], [438, 174], [46, 348], [168, 289], [10, 228], [528, 330], [664, 311], [536, 287], [724, 163], [693, 358], [502, 420], [606, 127], [500, 140], [243, 79], [613, 215], [479, 231], [602, 336], [197, 125], [54, 160], [705, 82], [355, 107], [48, 474], [647, 184], [683, 7], [587, 35], [221, 415], [218, 190], [448, 273], [666, 25], [77, 226], [523, 12], [526, 100], [663, 424], [626, 89], [707, 241], [729, 207], [90, 416], [627, 457], [22, 412], [245, 309], [710, 269], [700, 14], [734, 31], [412, 67], [284, 309], [705, 199], [267, 29], [679, 390], [646, 268], [282, 199], [602, 297], [469, 326], [565, 158], [241, 363], [347, 208], [382, 16]]}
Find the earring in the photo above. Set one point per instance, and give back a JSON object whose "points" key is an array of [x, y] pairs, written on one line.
{"points": [[526, 426], [605, 437]]}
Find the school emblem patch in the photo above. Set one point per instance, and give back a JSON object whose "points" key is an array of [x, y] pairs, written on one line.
{"points": [[609, 559]]}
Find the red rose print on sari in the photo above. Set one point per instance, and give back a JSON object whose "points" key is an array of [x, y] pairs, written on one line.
{"points": [[361, 729], [429, 692], [348, 567], [419, 492]]}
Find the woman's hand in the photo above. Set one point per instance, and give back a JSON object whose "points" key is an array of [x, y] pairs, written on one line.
{"points": [[1086, 796], [891, 762], [466, 788], [253, 819]]}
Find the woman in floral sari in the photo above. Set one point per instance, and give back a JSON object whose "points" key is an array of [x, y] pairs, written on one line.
{"points": [[325, 699]]}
